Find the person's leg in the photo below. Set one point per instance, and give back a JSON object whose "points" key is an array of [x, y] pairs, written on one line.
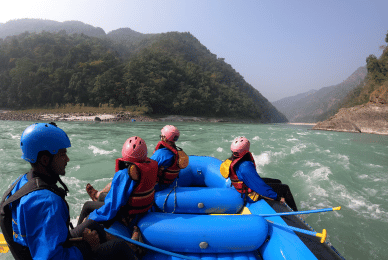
{"points": [[270, 180], [88, 208], [102, 196], [92, 225], [284, 191], [115, 249]]}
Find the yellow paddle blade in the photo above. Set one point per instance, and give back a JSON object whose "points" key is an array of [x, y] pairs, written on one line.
{"points": [[322, 235], [3, 244], [246, 211]]}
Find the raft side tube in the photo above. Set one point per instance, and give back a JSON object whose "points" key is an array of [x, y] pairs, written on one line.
{"points": [[203, 233], [282, 244], [199, 200], [203, 171], [220, 256]]}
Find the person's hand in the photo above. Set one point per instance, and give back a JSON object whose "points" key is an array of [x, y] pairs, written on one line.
{"points": [[92, 238], [282, 200]]}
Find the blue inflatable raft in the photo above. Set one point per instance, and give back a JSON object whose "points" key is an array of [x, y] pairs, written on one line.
{"points": [[203, 217]]}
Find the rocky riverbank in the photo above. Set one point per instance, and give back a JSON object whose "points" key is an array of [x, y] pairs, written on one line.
{"points": [[111, 117], [21, 116], [371, 118]]}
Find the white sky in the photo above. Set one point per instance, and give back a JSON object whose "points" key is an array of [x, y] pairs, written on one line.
{"points": [[281, 47]]}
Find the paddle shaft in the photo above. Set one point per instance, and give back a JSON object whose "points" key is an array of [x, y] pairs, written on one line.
{"points": [[299, 212], [307, 232]]}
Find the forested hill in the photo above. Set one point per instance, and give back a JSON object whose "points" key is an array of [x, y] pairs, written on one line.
{"points": [[375, 87], [168, 73]]}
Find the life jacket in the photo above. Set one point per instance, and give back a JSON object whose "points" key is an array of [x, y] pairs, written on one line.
{"points": [[181, 160], [142, 196], [19, 251], [227, 171]]}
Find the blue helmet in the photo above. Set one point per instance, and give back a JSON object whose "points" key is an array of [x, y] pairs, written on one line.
{"points": [[41, 137]]}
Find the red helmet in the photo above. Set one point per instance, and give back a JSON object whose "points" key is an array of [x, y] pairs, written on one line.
{"points": [[171, 133], [240, 144], [134, 148]]}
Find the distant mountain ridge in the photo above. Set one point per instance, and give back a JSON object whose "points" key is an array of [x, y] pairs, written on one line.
{"points": [[284, 103], [15, 27], [314, 106]]}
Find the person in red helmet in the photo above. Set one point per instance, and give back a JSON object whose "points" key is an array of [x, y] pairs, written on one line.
{"points": [[131, 192], [171, 159], [241, 170]]}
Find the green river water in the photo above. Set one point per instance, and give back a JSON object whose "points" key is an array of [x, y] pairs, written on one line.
{"points": [[323, 169]]}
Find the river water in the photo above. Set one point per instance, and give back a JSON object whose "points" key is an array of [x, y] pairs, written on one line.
{"points": [[323, 169]]}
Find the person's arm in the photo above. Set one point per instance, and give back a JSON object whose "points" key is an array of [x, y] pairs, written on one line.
{"points": [[121, 188], [246, 172], [164, 157], [43, 219]]}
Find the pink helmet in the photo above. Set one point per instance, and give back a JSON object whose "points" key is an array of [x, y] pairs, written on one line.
{"points": [[134, 148], [171, 133], [240, 144]]}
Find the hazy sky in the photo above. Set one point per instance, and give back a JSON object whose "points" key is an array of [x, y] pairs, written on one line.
{"points": [[281, 47]]}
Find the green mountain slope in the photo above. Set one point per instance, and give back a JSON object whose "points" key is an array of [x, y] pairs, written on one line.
{"points": [[169, 73]]}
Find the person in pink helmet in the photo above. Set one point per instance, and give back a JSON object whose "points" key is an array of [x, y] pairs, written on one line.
{"points": [[171, 159], [241, 170], [131, 192]]}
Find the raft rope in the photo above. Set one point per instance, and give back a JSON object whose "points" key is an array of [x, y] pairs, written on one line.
{"points": [[165, 200], [151, 247]]}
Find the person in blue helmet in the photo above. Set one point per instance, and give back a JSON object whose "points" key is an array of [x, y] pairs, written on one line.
{"points": [[34, 214]]}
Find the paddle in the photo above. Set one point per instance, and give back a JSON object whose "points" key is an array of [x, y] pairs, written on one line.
{"points": [[312, 233], [246, 211], [299, 212], [3, 244], [151, 247]]}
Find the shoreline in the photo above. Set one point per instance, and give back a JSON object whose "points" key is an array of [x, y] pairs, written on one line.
{"points": [[109, 117], [302, 123]]}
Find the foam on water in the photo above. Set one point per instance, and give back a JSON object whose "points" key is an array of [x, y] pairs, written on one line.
{"points": [[99, 151], [298, 148], [262, 159], [323, 169], [15, 136]]}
